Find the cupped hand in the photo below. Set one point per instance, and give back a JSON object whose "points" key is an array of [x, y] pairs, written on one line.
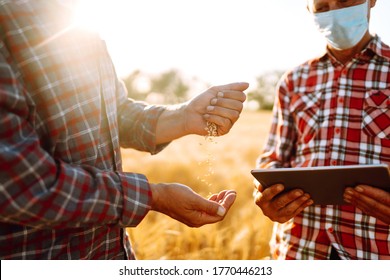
{"points": [[221, 105], [281, 207], [184, 205]]}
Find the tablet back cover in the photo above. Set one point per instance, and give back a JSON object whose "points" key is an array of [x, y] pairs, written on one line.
{"points": [[325, 185]]}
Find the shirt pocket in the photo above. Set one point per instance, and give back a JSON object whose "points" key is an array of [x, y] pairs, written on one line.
{"points": [[376, 114], [306, 110]]}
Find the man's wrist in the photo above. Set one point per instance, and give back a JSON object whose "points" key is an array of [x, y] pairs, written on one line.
{"points": [[171, 124]]}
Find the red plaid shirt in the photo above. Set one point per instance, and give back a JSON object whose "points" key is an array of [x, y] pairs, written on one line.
{"points": [[330, 114], [63, 117]]}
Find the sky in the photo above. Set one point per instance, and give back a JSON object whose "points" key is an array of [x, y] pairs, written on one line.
{"points": [[215, 41]]}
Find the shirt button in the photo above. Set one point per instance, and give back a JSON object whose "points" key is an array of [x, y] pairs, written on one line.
{"points": [[341, 100], [330, 230], [337, 130], [344, 72], [333, 162]]}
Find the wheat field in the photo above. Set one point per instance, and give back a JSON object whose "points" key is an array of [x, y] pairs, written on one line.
{"points": [[207, 167]]}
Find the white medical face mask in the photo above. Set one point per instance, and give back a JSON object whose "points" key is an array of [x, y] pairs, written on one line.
{"points": [[343, 28]]}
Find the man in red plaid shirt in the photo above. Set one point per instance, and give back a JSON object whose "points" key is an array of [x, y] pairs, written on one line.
{"points": [[332, 110], [63, 117]]}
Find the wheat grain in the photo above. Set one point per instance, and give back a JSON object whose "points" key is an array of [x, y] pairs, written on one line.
{"points": [[212, 130]]}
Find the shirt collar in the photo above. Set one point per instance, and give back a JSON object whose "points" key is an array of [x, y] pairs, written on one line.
{"points": [[379, 48], [374, 47]]}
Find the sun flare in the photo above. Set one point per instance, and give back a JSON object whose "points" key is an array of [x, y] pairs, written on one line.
{"points": [[92, 15]]}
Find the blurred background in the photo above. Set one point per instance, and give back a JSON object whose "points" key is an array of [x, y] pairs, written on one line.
{"points": [[180, 47]]}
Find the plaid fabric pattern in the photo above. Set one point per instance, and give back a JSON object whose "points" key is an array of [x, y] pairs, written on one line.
{"points": [[63, 117], [329, 114]]}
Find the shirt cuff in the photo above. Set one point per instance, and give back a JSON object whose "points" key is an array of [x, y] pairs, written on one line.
{"points": [[153, 147], [137, 197], [138, 127]]}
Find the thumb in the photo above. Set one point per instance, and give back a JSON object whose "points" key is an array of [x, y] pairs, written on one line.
{"points": [[212, 208]]}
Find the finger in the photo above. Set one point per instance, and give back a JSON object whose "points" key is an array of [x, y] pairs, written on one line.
{"points": [[293, 197], [296, 206], [290, 197], [367, 204], [257, 185], [230, 110], [221, 121], [232, 86], [284, 206], [228, 201], [223, 194], [375, 193], [367, 194], [218, 197], [221, 116], [373, 209], [223, 124], [213, 197], [232, 94], [227, 103], [273, 191], [258, 198]]}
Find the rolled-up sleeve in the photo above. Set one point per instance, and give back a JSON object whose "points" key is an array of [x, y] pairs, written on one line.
{"points": [[138, 122]]}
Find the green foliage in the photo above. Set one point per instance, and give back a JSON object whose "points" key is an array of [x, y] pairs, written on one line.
{"points": [[264, 93], [171, 84], [133, 89], [169, 87]]}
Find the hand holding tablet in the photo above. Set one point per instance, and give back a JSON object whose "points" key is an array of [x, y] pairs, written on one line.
{"points": [[326, 184]]}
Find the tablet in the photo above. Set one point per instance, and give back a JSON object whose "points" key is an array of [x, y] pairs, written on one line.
{"points": [[326, 184]]}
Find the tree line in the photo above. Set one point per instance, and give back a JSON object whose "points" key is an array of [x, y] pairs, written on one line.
{"points": [[171, 87]]}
